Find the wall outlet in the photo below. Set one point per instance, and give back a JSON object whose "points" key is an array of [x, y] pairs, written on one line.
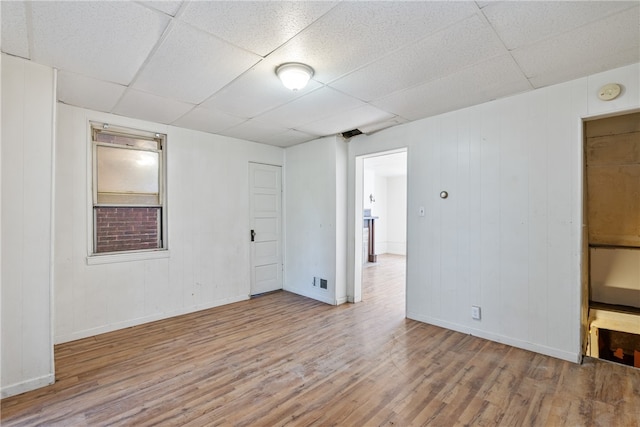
{"points": [[475, 312], [316, 281]]}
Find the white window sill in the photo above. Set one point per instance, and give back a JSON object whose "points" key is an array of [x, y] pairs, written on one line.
{"points": [[126, 257]]}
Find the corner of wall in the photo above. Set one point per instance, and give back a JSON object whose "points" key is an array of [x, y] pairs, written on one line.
{"points": [[27, 343], [341, 221], [315, 209]]}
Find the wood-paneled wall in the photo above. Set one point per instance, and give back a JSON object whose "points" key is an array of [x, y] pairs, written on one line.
{"points": [[508, 237], [27, 150], [208, 228]]}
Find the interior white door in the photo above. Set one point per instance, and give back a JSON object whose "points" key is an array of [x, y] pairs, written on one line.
{"points": [[265, 187]]}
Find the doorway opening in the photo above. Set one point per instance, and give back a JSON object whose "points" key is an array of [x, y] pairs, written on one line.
{"points": [[381, 232], [611, 242]]}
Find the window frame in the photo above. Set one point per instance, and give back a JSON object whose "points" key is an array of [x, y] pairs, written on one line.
{"points": [[94, 257]]}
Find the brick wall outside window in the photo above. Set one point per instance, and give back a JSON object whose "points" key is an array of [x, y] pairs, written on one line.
{"points": [[126, 228]]}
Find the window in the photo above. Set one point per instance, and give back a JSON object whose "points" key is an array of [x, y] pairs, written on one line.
{"points": [[128, 191]]}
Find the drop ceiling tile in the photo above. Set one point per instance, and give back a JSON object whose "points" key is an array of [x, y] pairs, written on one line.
{"points": [[587, 45], [257, 26], [99, 39], [99, 46], [146, 106], [588, 67], [14, 29], [288, 139], [254, 130], [168, 7], [86, 92], [495, 78], [255, 92], [191, 65], [523, 23], [207, 120], [346, 120], [377, 126], [353, 34], [309, 108], [463, 44]]}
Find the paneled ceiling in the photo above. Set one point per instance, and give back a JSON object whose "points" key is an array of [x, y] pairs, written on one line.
{"points": [[210, 65]]}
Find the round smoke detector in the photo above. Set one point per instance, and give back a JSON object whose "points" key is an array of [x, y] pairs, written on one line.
{"points": [[609, 92]]}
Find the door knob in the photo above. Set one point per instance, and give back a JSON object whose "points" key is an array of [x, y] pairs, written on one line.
{"points": [[253, 235]]}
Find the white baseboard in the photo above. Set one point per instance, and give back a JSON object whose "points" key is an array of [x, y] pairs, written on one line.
{"points": [[25, 386], [381, 247], [313, 295], [397, 248], [146, 319], [513, 342]]}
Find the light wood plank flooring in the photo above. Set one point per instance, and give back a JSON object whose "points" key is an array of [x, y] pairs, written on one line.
{"points": [[282, 359]]}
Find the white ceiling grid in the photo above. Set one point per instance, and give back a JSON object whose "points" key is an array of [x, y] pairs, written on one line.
{"points": [[210, 65]]}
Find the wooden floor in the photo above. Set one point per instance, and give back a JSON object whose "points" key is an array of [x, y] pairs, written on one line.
{"points": [[282, 359]]}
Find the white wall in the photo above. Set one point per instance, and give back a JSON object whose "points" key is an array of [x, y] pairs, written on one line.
{"points": [[397, 215], [27, 145], [380, 209], [391, 208], [341, 220], [208, 221], [615, 276], [508, 238], [369, 188], [315, 212]]}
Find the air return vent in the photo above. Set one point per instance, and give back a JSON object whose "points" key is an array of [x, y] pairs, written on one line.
{"points": [[348, 134]]}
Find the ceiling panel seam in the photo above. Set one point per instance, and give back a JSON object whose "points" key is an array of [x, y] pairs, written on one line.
{"points": [[400, 48], [506, 49], [28, 16], [154, 49]]}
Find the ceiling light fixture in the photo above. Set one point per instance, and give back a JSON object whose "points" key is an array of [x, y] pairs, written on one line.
{"points": [[294, 75]]}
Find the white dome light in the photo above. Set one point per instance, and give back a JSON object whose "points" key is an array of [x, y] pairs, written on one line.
{"points": [[293, 75]]}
